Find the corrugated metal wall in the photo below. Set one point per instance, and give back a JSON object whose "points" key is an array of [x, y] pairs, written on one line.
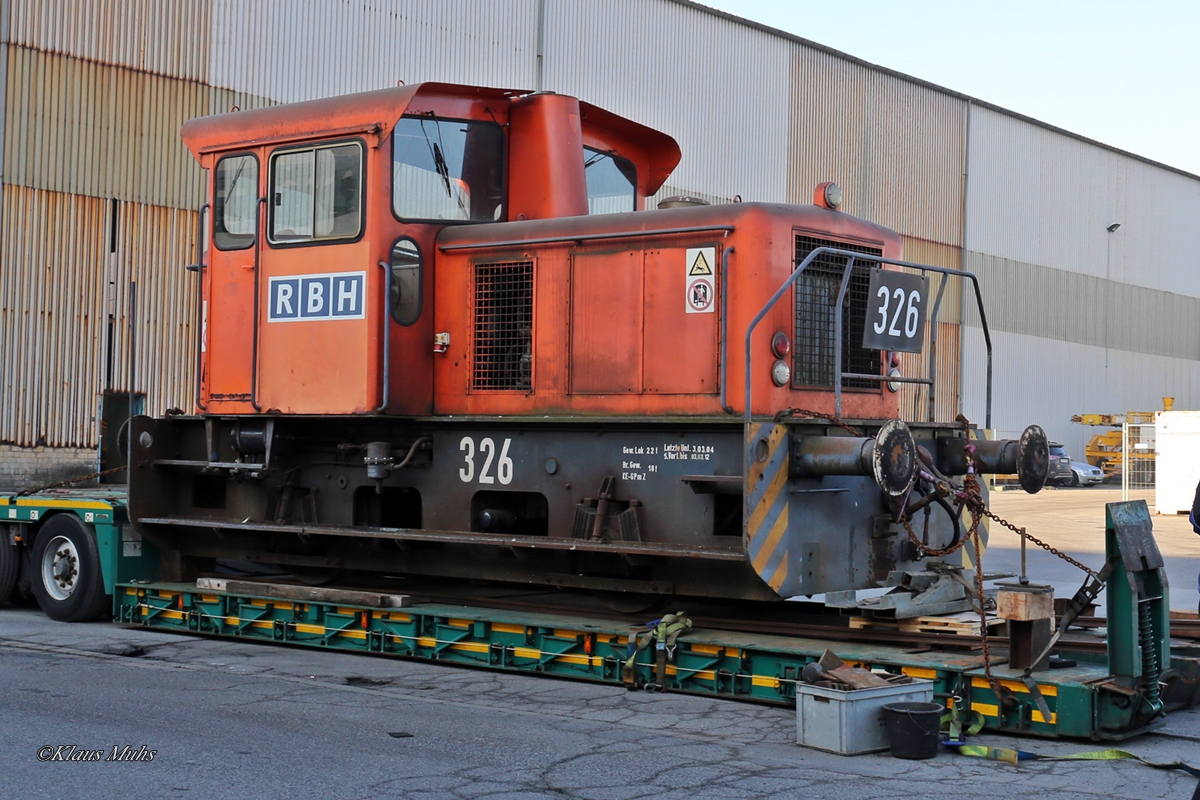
{"points": [[895, 147], [55, 303], [51, 316], [1046, 381], [289, 50], [87, 128], [720, 88], [94, 93], [1042, 197], [164, 37]]}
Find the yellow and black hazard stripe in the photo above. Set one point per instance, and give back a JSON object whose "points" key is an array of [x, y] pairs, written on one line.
{"points": [[767, 502]]}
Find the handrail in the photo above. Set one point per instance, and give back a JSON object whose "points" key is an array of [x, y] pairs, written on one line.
{"points": [[728, 409], [387, 339], [262, 201], [586, 237], [201, 327], [937, 304], [837, 337], [852, 256]]}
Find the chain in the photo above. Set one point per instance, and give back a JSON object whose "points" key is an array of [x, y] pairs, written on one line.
{"points": [[804, 412], [26, 492], [1048, 548]]}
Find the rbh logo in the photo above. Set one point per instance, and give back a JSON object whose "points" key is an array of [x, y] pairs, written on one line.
{"points": [[337, 295]]}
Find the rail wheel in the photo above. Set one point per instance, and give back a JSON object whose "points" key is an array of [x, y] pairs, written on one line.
{"points": [[65, 571]]}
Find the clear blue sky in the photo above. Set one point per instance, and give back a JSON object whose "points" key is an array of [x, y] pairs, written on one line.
{"points": [[1123, 73]]}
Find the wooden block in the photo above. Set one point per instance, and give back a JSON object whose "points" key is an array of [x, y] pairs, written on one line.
{"points": [[965, 623], [311, 594], [1022, 605], [856, 677]]}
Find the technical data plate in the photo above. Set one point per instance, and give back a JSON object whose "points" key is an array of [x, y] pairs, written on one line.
{"points": [[749, 666]]}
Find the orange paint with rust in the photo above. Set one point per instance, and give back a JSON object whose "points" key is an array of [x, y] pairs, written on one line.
{"points": [[611, 334]]}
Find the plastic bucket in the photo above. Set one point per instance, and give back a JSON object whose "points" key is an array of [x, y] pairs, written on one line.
{"points": [[914, 728]]}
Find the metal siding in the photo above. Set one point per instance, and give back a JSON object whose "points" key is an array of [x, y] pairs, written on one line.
{"points": [[719, 87], [79, 127], [895, 147], [289, 51], [1069, 306], [1042, 197], [165, 37], [1045, 381], [53, 314]]}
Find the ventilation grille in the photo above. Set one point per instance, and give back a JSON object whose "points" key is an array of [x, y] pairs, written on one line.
{"points": [[816, 296], [503, 350]]}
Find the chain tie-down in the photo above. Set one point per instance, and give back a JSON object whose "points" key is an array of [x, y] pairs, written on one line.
{"points": [[663, 633]]}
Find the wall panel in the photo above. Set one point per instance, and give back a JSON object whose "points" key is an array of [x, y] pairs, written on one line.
{"points": [[289, 51], [165, 37], [1043, 197], [55, 302], [719, 87], [1045, 381], [894, 146], [80, 127]]}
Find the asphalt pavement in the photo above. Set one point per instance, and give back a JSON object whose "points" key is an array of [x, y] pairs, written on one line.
{"points": [[227, 719]]}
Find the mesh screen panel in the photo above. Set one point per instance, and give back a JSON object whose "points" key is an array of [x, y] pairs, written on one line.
{"points": [[503, 346], [816, 293]]}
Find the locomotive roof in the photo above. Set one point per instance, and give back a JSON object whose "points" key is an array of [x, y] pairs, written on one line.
{"points": [[376, 112]]}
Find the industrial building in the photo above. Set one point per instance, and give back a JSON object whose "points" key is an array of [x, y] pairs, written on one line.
{"points": [[100, 195]]}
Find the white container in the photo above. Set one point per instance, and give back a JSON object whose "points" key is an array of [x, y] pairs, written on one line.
{"points": [[1178, 460], [851, 722]]}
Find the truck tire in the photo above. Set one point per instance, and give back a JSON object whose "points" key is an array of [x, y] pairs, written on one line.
{"points": [[10, 565], [65, 571]]}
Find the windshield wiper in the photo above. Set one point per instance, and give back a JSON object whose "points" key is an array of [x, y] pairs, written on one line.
{"points": [[443, 169]]}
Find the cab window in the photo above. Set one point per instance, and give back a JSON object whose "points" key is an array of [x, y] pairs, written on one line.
{"points": [[611, 182], [235, 192], [316, 194], [446, 169]]}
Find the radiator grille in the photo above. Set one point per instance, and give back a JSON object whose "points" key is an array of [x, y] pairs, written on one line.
{"points": [[503, 346], [816, 296]]}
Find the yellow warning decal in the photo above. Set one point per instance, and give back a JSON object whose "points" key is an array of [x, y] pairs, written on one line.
{"points": [[700, 265]]}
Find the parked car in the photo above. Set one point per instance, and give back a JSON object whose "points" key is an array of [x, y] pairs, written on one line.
{"points": [[1084, 474], [1060, 473]]}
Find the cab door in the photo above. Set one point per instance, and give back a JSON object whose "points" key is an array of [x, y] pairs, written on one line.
{"points": [[228, 305], [322, 304]]}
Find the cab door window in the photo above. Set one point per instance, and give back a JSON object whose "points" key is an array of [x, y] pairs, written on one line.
{"points": [[316, 194], [235, 192]]}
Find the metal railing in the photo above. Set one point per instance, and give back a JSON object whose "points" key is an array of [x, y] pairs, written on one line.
{"points": [[837, 332]]}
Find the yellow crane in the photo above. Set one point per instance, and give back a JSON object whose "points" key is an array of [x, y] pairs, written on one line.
{"points": [[1104, 450]]}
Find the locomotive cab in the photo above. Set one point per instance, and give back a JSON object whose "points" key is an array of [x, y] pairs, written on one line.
{"points": [[325, 216]]}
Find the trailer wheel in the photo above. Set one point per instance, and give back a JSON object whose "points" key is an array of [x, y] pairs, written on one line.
{"points": [[10, 566], [66, 571]]}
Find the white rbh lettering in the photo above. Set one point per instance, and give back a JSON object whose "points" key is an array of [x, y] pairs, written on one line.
{"points": [[325, 296]]}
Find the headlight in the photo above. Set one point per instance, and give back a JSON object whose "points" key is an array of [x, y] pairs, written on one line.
{"points": [[781, 373]]}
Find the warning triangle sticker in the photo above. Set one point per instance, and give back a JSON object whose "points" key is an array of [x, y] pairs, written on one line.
{"points": [[700, 266]]}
